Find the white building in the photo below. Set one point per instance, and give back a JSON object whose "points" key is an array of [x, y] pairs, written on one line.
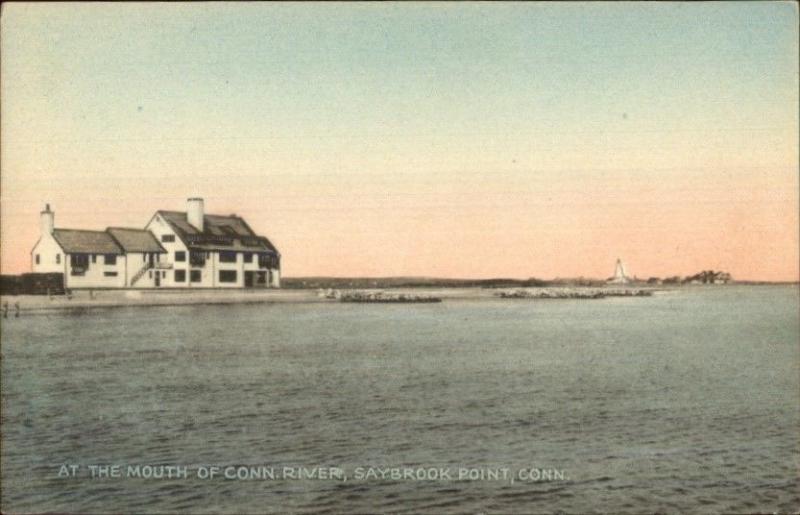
{"points": [[175, 250], [620, 276]]}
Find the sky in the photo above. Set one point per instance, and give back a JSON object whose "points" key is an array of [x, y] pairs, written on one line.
{"points": [[417, 139]]}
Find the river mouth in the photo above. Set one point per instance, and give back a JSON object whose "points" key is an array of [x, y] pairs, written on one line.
{"points": [[677, 402]]}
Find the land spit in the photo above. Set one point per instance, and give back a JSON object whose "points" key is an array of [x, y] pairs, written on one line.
{"points": [[101, 299]]}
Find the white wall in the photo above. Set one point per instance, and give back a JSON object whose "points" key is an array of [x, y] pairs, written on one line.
{"points": [[135, 262], [47, 248], [95, 277], [159, 228]]}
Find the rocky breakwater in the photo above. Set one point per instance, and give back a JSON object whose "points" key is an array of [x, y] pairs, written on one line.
{"points": [[379, 297], [573, 293]]}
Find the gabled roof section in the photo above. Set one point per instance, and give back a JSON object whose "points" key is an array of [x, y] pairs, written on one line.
{"points": [[135, 240], [178, 222], [219, 233], [268, 244], [75, 241]]}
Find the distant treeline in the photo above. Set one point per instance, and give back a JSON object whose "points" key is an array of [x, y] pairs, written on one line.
{"points": [[704, 277], [427, 282]]}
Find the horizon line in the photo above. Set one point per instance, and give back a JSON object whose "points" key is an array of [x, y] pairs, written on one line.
{"points": [[585, 278]]}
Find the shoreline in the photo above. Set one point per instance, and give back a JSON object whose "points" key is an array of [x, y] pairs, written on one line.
{"points": [[111, 299]]}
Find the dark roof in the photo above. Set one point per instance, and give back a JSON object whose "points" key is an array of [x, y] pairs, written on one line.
{"points": [[135, 240], [75, 241], [268, 244], [219, 233]]}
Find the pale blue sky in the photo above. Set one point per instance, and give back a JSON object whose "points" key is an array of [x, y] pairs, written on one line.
{"points": [[343, 69]]}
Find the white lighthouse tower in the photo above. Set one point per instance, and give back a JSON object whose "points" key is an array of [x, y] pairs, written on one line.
{"points": [[620, 277]]}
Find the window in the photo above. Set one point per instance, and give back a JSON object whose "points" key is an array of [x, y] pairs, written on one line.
{"points": [[94, 258], [226, 256], [110, 259], [37, 259], [248, 257], [167, 238], [180, 256], [58, 259], [227, 276], [163, 274], [110, 274], [180, 276], [79, 262], [194, 276], [197, 258]]}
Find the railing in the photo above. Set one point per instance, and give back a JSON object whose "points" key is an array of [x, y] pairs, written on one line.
{"points": [[140, 273]]}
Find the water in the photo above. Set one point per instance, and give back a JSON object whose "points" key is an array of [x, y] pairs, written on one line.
{"points": [[681, 402]]}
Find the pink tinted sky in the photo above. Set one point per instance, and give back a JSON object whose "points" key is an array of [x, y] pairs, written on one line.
{"points": [[469, 141]]}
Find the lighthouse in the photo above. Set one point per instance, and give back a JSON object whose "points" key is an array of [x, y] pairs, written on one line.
{"points": [[620, 277]]}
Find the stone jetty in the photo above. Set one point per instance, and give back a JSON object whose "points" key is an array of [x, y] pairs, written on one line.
{"points": [[382, 297], [572, 293]]}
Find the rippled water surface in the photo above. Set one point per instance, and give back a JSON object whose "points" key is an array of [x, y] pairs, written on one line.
{"points": [[685, 401]]}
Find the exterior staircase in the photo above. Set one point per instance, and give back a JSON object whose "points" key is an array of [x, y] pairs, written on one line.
{"points": [[140, 273]]}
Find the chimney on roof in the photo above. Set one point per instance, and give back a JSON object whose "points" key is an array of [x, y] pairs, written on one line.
{"points": [[194, 212], [48, 220]]}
